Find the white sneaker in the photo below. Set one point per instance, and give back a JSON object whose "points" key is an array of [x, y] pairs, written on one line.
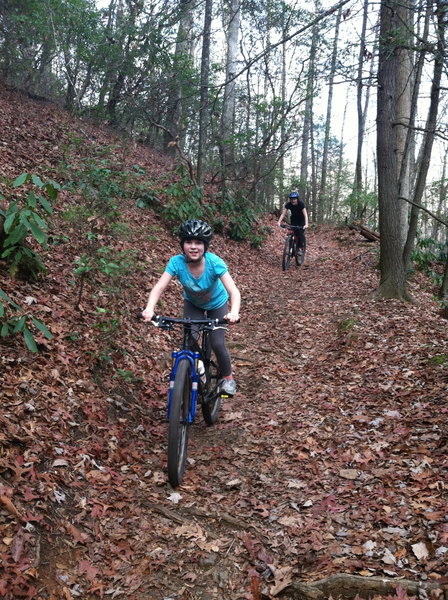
{"points": [[228, 386]]}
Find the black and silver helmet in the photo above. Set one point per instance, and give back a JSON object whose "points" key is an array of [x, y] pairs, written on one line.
{"points": [[195, 229]]}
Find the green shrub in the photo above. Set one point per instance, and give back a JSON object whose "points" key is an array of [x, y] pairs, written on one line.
{"points": [[25, 219], [14, 320], [426, 257], [183, 202]]}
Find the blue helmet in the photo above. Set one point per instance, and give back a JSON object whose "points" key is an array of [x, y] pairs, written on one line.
{"points": [[294, 195]]}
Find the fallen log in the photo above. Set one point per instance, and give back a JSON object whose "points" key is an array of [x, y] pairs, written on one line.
{"points": [[345, 585], [369, 234]]}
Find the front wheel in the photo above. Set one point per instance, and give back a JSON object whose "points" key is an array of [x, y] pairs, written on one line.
{"points": [[287, 253], [211, 397], [178, 428]]}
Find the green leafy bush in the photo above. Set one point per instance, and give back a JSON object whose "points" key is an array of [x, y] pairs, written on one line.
{"points": [[14, 320], [100, 186], [25, 219], [243, 222], [427, 257], [183, 202]]}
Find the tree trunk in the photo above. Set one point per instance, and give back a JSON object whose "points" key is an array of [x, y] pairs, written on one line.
{"points": [[322, 202], [357, 184], [203, 109], [430, 131], [442, 191], [304, 160], [226, 145], [340, 162], [283, 121], [392, 210], [174, 111], [444, 288]]}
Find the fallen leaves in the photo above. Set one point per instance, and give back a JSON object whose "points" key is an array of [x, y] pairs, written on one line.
{"points": [[331, 457]]}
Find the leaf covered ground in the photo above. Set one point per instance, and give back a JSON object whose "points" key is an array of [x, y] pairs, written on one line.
{"points": [[331, 459]]}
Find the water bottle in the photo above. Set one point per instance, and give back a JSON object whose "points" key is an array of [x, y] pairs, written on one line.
{"points": [[201, 370]]}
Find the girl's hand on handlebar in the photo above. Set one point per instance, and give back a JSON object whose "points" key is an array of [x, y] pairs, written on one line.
{"points": [[232, 317], [147, 314]]}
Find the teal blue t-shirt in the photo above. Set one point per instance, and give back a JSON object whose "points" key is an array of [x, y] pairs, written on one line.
{"points": [[207, 291]]}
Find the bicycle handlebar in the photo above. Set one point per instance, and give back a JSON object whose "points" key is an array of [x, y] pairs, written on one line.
{"points": [[169, 322], [286, 226]]}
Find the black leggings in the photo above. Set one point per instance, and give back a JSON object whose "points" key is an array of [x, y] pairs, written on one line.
{"points": [[216, 337], [300, 238]]}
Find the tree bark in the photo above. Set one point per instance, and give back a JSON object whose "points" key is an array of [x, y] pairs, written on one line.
{"points": [[392, 210], [174, 111], [226, 145], [322, 202], [307, 119], [203, 109], [357, 184], [343, 585]]}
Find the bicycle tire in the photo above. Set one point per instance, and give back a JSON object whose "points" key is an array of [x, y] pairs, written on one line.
{"points": [[178, 428], [286, 260], [211, 398], [300, 256]]}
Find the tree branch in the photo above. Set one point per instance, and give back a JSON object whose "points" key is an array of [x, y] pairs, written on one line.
{"points": [[288, 38], [424, 209]]}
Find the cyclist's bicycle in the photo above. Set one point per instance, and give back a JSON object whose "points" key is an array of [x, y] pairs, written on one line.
{"points": [[291, 250], [194, 377]]}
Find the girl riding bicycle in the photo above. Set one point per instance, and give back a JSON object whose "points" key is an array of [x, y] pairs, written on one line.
{"points": [[207, 286], [299, 217]]}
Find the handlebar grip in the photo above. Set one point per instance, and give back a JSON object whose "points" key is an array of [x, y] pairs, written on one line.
{"points": [[154, 318]]}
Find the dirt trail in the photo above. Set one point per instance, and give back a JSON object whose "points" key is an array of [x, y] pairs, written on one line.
{"points": [[331, 459], [306, 473]]}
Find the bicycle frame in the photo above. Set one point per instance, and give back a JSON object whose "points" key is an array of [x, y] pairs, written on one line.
{"points": [[292, 229], [192, 358], [185, 383], [189, 353]]}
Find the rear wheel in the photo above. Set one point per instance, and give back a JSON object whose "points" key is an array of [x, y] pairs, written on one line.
{"points": [[287, 253], [300, 255], [211, 398], [178, 427]]}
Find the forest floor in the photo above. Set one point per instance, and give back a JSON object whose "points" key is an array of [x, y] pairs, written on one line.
{"points": [[331, 459]]}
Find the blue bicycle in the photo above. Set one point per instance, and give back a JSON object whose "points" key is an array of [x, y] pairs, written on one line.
{"points": [[194, 377]]}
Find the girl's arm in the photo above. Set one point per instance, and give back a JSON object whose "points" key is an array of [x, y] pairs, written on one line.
{"points": [[155, 294], [282, 216], [235, 298], [305, 214]]}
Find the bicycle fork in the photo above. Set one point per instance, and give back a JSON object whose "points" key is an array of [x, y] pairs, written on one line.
{"points": [[192, 358]]}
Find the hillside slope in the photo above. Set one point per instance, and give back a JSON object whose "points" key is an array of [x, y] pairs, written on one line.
{"points": [[331, 459]]}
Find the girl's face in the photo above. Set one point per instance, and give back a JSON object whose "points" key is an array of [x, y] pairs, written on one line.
{"points": [[194, 250]]}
